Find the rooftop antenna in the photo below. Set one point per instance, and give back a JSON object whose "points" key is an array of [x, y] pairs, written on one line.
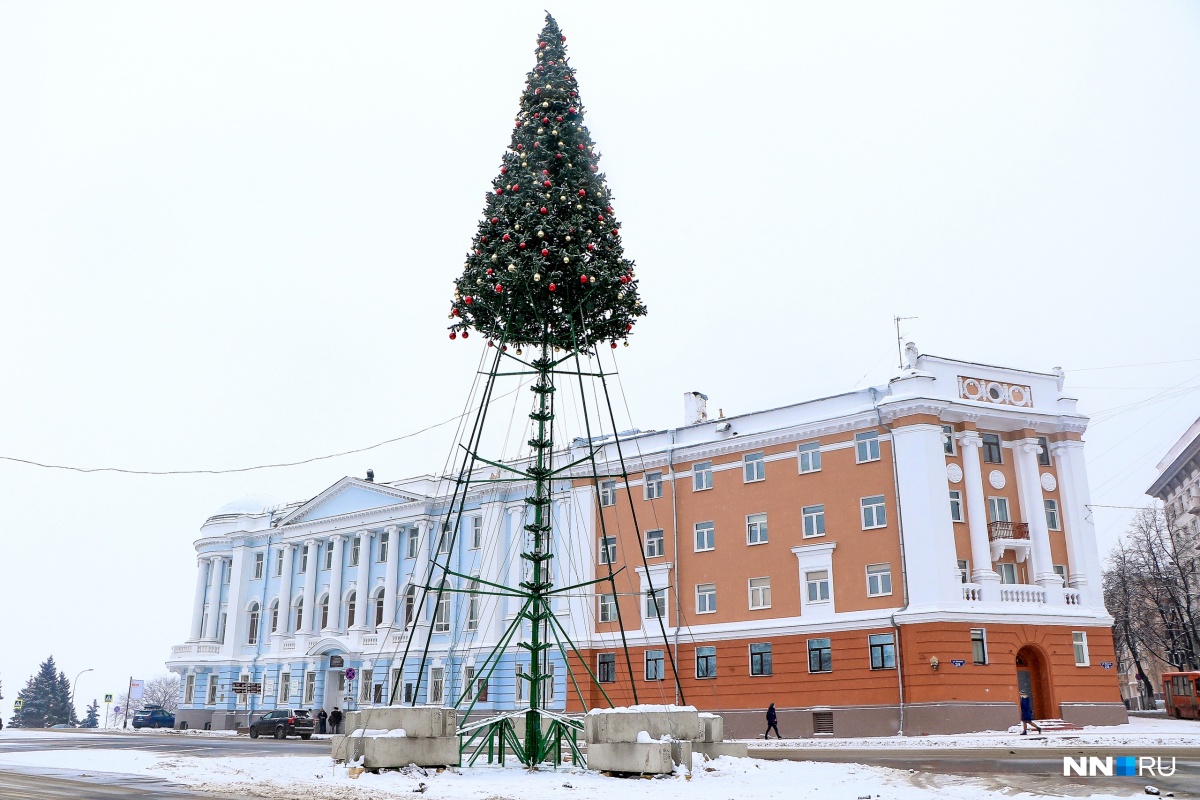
{"points": [[899, 344]]}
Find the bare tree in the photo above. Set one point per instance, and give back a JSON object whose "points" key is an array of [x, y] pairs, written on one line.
{"points": [[162, 690]]}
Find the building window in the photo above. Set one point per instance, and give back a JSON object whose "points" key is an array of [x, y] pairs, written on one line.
{"points": [[444, 538], [383, 546], [1044, 455], [259, 558], [606, 668], [310, 687], [285, 687], [948, 440], [1007, 572], [441, 616], [760, 659], [189, 689], [1061, 571], [809, 455], [964, 570], [227, 572], [997, 509], [212, 691], [814, 520], [304, 558], [820, 655], [655, 546], [866, 447], [275, 616], [473, 604], [654, 665], [221, 629], [879, 580], [991, 449], [279, 562], [706, 536], [379, 606], [351, 607], [1052, 520], [299, 613], [476, 533], [760, 593], [437, 685], [548, 693], [608, 493], [608, 549], [702, 477], [817, 586], [979, 646], [652, 486], [252, 628], [324, 612], [706, 598], [481, 690], [656, 603], [366, 684], [410, 605], [327, 562], [874, 513], [883, 650], [414, 542], [608, 608], [754, 468], [756, 529], [956, 514], [706, 662], [1079, 640]]}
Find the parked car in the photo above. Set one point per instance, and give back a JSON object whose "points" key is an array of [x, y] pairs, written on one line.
{"points": [[284, 722], [153, 717]]}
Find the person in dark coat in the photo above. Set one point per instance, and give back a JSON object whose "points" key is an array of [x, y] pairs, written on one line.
{"points": [[772, 722], [321, 717], [335, 720], [1027, 714]]}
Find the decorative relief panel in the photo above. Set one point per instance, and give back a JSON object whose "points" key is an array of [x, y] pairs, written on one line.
{"points": [[996, 479], [1004, 394], [1048, 482], [954, 473]]}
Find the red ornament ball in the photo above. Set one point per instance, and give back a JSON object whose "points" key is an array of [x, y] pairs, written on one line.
{"points": [[483, 238], [491, 343], [546, 184], [624, 279], [504, 170], [521, 245], [572, 94], [495, 220], [489, 272], [545, 252], [520, 147], [499, 287], [454, 311], [545, 120], [552, 287], [535, 144], [468, 300], [541, 44], [453, 335], [583, 192], [558, 119], [600, 217], [562, 37], [591, 247], [545, 172], [583, 278], [499, 190], [616, 232], [571, 110], [464, 334], [608, 209], [629, 327], [543, 210], [558, 155], [516, 187], [614, 345], [580, 145], [506, 237]]}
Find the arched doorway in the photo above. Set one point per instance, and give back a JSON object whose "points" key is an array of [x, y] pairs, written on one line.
{"points": [[1033, 676]]}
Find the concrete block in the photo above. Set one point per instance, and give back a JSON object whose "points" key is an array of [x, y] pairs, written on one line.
{"points": [[681, 753], [651, 758], [718, 749], [418, 722], [624, 726], [346, 748], [714, 728], [391, 752]]}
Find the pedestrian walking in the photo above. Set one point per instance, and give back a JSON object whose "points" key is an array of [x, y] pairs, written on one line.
{"points": [[335, 720], [322, 716], [772, 723], [1027, 714]]}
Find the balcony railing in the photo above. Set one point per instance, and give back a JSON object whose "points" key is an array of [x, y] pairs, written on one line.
{"points": [[1022, 593], [972, 592], [1008, 530]]}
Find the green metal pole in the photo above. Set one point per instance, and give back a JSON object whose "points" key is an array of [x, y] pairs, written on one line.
{"points": [[544, 449]]}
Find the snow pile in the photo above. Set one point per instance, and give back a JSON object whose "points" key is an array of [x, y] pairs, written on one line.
{"points": [[644, 738], [641, 709], [395, 733]]}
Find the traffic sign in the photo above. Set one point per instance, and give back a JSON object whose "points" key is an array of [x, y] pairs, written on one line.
{"points": [[18, 704], [246, 687], [958, 662], [116, 709], [350, 673], [108, 698]]}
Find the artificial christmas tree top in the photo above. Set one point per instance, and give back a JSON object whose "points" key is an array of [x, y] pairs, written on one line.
{"points": [[546, 266]]}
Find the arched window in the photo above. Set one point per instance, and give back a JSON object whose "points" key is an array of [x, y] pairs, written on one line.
{"points": [[379, 608], [299, 613], [275, 616], [410, 606], [252, 628], [473, 605], [324, 612], [441, 617], [350, 604]]}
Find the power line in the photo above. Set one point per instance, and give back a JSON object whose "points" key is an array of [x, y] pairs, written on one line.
{"points": [[1130, 366]]}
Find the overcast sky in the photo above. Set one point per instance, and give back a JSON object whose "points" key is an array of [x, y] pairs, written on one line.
{"points": [[228, 231]]}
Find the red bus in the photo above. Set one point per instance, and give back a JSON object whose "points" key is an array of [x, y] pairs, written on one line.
{"points": [[1181, 694]]}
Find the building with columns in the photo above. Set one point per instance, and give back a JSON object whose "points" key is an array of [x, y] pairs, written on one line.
{"points": [[905, 558]]}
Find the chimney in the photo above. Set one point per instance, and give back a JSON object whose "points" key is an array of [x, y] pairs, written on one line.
{"points": [[695, 408], [370, 476]]}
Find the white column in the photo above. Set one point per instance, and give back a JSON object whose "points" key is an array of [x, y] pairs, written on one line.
{"points": [[390, 577], [285, 589], [235, 624], [1082, 554], [1033, 509], [215, 577], [309, 619], [930, 557], [363, 588], [338, 543], [982, 572], [202, 565]]}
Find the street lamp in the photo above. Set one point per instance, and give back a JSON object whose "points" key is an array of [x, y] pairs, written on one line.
{"points": [[72, 706]]}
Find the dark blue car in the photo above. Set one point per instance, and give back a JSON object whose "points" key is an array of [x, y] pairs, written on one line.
{"points": [[153, 718]]}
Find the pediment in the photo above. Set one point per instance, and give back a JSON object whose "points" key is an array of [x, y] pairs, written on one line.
{"points": [[349, 496]]}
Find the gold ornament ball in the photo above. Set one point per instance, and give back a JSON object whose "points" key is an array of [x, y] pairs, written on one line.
{"points": [[578, 207], [627, 343], [537, 276], [568, 238], [541, 234], [562, 197], [560, 144], [495, 257], [566, 259], [518, 351], [541, 131], [545, 104], [512, 267]]}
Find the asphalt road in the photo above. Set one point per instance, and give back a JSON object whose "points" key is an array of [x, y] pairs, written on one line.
{"points": [[67, 785], [180, 744]]}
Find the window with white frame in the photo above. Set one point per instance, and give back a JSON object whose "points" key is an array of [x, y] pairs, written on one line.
{"points": [[304, 558], [992, 452], [813, 518], [874, 512], [608, 493], [656, 603], [702, 476], [444, 538], [879, 580], [956, 506], [816, 585], [366, 682], [351, 607], [324, 606], [1061, 571], [414, 542], [379, 607], [327, 562], [469, 681], [1007, 572], [384, 540], [654, 665], [883, 650], [866, 447], [189, 689], [652, 485], [809, 456], [259, 559], [437, 685], [706, 536], [473, 603], [548, 672], [410, 605], [754, 467], [285, 687], [706, 598], [760, 659], [706, 662], [476, 533], [756, 528], [221, 627], [760, 593], [820, 655], [252, 627], [226, 573], [520, 681], [1052, 519], [948, 440], [212, 691], [275, 616], [1079, 641], [979, 646], [310, 687], [606, 668], [998, 509], [1044, 453], [608, 549], [441, 617], [655, 546], [278, 562], [608, 607], [964, 570]]}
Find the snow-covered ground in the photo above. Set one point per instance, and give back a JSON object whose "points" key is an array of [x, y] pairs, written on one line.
{"points": [[1139, 731]]}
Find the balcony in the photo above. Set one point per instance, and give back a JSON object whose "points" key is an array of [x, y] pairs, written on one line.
{"points": [[998, 531], [1022, 593]]}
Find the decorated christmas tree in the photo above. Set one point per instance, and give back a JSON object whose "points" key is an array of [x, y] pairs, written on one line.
{"points": [[546, 266]]}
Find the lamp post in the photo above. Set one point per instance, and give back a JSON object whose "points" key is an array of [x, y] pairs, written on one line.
{"points": [[72, 706]]}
